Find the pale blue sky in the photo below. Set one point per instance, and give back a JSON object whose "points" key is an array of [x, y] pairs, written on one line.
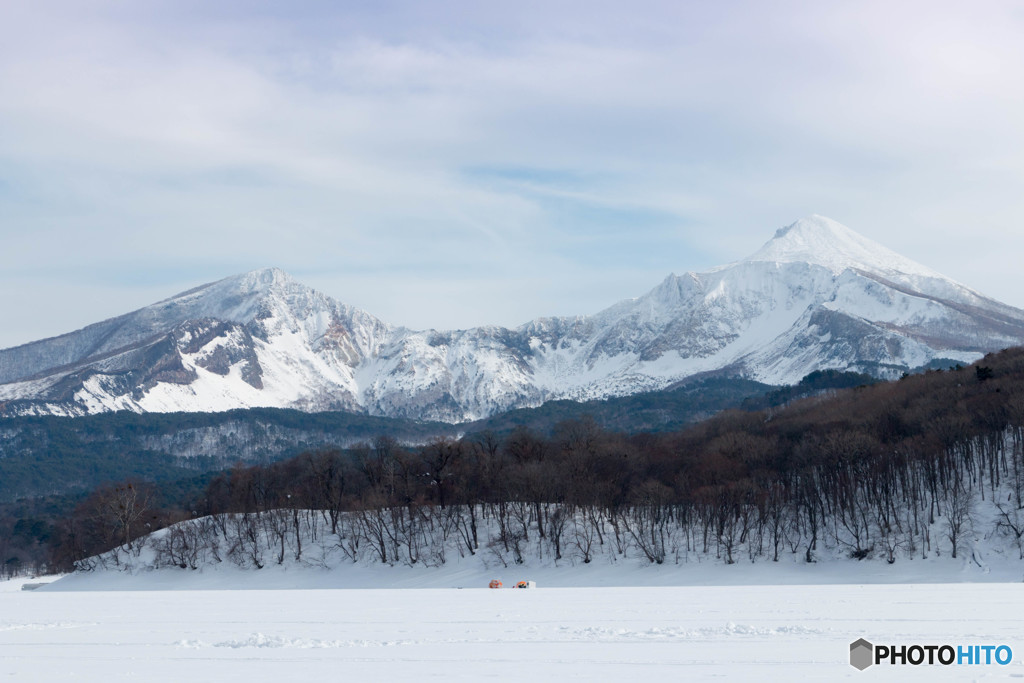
{"points": [[452, 164]]}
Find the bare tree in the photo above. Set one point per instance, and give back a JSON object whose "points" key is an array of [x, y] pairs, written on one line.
{"points": [[957, 507]]}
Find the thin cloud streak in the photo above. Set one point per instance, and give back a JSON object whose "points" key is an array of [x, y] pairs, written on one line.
{"points": [[345, 143]]}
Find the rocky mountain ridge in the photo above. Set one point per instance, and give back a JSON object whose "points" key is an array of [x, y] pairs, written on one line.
{"points": [[816, 296]]}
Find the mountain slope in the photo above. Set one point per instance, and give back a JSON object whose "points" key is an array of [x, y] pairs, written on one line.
{"points": [[816, 296], [258, 339]]}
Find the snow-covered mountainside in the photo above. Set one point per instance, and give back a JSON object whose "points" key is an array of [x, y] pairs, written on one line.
{"points": [[816, 296]]}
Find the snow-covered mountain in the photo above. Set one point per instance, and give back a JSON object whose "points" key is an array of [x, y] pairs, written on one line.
{"points": [[816, 296]]}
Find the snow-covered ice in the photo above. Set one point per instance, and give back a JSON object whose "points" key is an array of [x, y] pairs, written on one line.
{"points": [[792, 632]]}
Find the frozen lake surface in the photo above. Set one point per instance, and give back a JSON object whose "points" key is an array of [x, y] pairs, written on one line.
{"points": [[780, 632]]}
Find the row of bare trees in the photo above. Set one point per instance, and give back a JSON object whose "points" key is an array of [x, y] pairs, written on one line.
{"points": [[912, 510]]}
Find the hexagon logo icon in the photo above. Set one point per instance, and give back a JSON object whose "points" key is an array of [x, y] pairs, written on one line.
{"points": [[861, 654]]}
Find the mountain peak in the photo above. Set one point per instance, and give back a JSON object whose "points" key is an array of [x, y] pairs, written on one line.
{"points": [[814, 224], [824, 242], [261, 279], [237, 298]]}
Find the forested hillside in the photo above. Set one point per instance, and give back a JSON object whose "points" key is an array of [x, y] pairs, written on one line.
{"points": [[50, 455], [896, 470]]}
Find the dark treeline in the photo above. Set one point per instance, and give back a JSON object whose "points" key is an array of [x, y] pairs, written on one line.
{"points": [[670, 409], [896, 469], [816, 383], [50, 455], [35, 532]]}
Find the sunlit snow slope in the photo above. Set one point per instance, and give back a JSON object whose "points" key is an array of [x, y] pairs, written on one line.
{"points": [[816, 296]]}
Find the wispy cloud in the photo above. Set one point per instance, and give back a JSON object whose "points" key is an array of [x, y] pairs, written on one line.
{"points": [[454, 163]]}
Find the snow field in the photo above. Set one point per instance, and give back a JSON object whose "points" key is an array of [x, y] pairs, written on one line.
{"points": [[594, 634]]}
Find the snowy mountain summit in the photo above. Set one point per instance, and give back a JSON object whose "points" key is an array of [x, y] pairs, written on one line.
{"points": [[823, 242], [815, 296]]}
